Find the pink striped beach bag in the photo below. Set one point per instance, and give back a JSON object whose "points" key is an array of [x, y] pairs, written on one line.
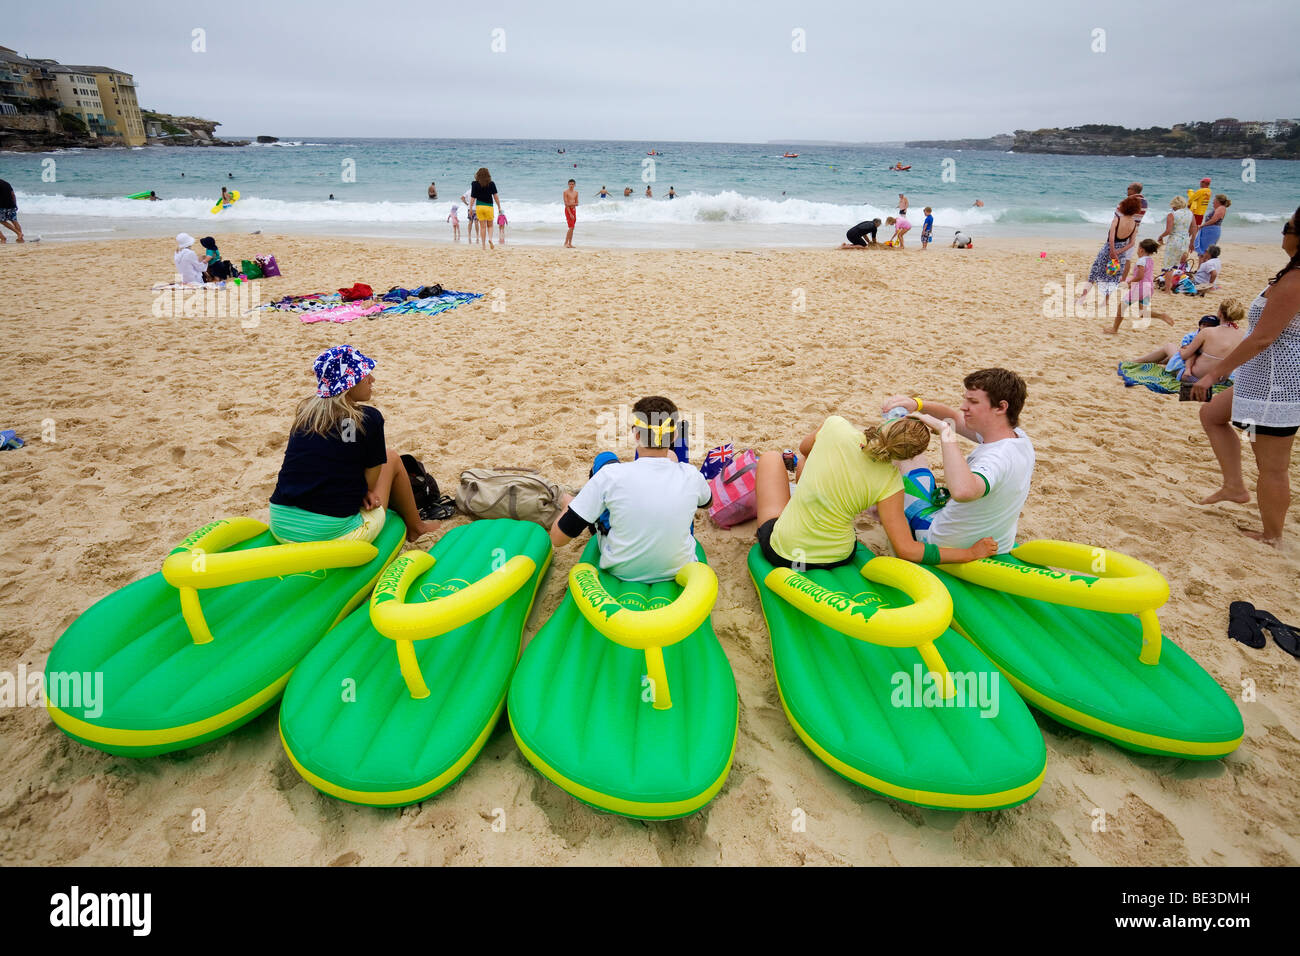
{"points": [[735, 495]]}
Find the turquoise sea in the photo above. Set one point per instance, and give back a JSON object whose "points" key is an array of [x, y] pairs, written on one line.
{"points": [[728, 194]]}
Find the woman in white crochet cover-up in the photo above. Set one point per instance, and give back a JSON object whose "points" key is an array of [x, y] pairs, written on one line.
{"points": [[1265, 397]]}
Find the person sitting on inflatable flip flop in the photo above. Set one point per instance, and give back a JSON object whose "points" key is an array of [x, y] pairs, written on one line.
{"points": [[338, 477], [844, 472], [643, 509], [988, 487]]}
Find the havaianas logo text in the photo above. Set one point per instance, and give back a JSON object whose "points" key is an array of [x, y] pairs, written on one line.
{"points": [[195, 536], [594, 594], [1048, 572], [864, 604], [434, 591], [386, 588], [638, 602]]}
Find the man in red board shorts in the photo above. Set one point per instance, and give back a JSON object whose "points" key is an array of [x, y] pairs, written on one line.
{"points": [[1198, 200], [570, 212]]}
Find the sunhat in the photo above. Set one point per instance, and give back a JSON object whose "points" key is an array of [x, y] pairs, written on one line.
{"points": [[339, 368]]}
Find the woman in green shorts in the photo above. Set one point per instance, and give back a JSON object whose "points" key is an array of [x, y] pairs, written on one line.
{"points": [[338, 477]]}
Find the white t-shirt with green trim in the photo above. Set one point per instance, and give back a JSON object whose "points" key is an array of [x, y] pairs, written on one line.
{"points": [[1007, 466], [651, 504]]}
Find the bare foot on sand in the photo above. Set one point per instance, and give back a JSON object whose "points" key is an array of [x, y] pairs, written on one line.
{"points": [[1111, 331], [423, 528], [1259, 536], [1223, 494]]}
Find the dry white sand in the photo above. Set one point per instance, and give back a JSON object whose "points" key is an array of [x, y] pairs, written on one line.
{"points": [[161, 424]]}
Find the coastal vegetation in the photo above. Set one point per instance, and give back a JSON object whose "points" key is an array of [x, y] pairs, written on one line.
{"points": [[1226, 138]]}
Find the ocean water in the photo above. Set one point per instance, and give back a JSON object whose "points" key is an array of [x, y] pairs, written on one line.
{"points": [[728, 195]]}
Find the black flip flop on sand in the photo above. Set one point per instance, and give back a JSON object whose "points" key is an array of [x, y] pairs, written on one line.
{"points": [[1285, 636], [1244, 625]]}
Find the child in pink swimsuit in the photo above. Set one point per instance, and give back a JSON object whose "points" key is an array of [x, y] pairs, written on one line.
{"points": [[1142, 283], [901, 226]]}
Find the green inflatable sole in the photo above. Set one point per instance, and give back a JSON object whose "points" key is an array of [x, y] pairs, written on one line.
{"points": [[348, 721], [1081, 667], [862, 708], [580, 712], [158, 691]]}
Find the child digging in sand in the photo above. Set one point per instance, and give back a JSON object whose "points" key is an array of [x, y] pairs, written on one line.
{"points": [[338, 477]]}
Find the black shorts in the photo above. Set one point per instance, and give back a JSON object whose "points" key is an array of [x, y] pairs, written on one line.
{"points": [[855, 237], [1275, 431], [764, 536]]}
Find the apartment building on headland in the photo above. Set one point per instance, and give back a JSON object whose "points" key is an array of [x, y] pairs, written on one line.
{"points": [[101, 97], [1230, 126]]}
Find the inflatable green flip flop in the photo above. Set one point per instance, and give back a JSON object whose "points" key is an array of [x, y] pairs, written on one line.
{"points": [[154, 667], [880, 689], [1084, 645], [625, 699], [397, 701]]}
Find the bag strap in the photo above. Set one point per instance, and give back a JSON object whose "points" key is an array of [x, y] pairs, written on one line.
{"points": [[743, 471]]}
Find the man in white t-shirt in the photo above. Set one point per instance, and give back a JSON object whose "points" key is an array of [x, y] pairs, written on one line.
{"points": [[987, 488], [650, 502]]}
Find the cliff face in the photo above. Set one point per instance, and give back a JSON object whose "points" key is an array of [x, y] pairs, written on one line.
{"points": [[1117, 141], [33, 131], [1193, 142], [41, 132], [185, 131]]}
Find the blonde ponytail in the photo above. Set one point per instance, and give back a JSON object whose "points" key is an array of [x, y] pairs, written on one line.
{"points": [[897, 440]]}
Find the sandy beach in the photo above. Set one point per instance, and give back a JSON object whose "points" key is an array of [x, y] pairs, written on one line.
{"points": [[160, 424]]}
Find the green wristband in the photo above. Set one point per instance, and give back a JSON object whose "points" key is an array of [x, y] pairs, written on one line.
{"points": [[931, 555]]}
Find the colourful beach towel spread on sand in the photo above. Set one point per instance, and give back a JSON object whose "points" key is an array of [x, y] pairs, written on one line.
{"points": [[1155, 377], [331, 307]]}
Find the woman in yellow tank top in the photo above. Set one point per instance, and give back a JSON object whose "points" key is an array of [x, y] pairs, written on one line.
{"points": [[850, 471]]}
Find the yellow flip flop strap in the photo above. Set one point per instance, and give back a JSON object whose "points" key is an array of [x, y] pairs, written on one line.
{"points": [[917, 625], [649, 631], [199, 562], [405, 623]]}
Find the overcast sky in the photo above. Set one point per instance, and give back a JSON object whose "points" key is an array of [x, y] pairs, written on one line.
{"points": [[681, 69]]}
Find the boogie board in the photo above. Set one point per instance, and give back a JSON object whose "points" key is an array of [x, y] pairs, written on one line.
{"points": [[234, 198]]}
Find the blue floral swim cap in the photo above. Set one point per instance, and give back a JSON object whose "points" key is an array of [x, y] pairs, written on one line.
{"points": [[339, 368]]}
